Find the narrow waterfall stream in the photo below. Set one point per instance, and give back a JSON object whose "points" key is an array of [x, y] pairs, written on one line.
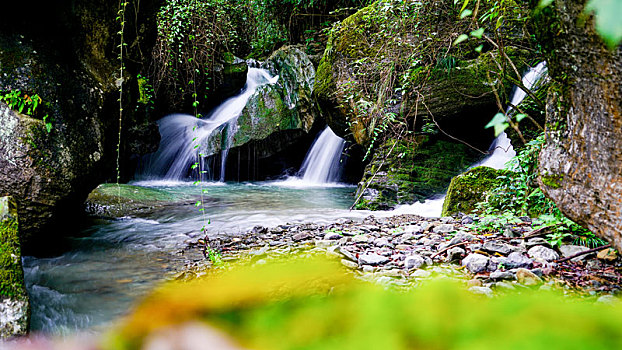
{"points": [[181, 133], [322, 163]]}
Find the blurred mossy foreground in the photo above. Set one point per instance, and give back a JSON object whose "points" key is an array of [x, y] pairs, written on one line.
{"points": [[316, 305]]}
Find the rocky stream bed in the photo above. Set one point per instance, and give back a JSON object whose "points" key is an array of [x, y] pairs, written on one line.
{"points": [[402, 251]]}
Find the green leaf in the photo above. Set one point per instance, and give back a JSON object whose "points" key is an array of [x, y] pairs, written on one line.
{"points": [[499, 122], [460, 39], [544, 3], [478, 33], [608, 21], [520, 117], [465, 13], [479, 48]]}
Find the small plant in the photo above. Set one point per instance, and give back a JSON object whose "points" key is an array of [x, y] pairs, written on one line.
{"points": [[28, 104]]}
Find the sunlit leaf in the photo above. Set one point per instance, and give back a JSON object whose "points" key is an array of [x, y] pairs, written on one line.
{"points": [[499, 122], [478, 33], [608, 21], [460, 39], [465, 13]]}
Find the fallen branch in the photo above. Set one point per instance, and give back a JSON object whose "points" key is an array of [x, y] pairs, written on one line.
{"points": [[584, 253]]}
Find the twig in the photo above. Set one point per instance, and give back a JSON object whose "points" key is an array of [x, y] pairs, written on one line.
{"points": [[584, 253]]}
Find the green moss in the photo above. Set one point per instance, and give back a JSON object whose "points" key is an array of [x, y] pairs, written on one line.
{"points": [[469, 188], [112, 200], [552, 181], [11, 273]]}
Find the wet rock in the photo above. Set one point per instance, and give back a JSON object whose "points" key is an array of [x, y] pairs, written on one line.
{"points": [[527, 278], [543, 253], [414, 262], [475, 283], [497, 247], [505, 286], [420, 274], [476, 263], [413, 229], [517, 260], [325, 243], [360, 239], [608, 300], [349, 264], [570, 250], [372, 259], [466, 220], [301, 236]]}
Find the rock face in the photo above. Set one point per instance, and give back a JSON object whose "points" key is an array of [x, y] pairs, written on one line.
{"points": [[276, 121], [469, 188], [581, 162], [14, 305], [66, 55]]}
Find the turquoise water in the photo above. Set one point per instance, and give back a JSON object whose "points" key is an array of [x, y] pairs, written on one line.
{"points": [[112, 263]]}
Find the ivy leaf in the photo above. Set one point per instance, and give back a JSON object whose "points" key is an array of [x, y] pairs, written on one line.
{"points": [[460, 39], [499, 122], [608, 22], [478, 33]]}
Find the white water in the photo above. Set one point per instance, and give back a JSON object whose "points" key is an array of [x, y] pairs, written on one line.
{"points": [[500, 152], [181, 133]]}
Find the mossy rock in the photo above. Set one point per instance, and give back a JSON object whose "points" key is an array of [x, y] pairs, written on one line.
{"points": [[118, 200], [467, 189], [14, 305], [403, 172]]}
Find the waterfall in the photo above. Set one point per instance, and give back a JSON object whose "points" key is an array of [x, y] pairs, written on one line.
{"points": [[322, 162], [184, 135], [500, 152]]}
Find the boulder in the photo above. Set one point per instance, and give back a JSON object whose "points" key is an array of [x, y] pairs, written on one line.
{"points": [[14, 304], [580, 166], [469, 188]]}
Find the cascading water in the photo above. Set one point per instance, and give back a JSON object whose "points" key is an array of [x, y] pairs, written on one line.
{"points": [[322, 163], [500, 152], [181, 133]]}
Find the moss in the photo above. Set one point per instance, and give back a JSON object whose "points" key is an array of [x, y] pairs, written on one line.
{"points": [[11, 273], [552, 181], [469, 188], [112, 200]]}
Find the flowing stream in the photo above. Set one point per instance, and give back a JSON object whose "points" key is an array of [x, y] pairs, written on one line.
{"points": [[112, 263]]}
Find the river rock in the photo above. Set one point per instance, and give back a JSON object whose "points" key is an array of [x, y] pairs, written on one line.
{"points": [[527, 278], [501, 275], [476, 263], [462, 237], [420, 274], [607, 255], [372, 259], [360, 239], [413, 229], [301, 236], [570, 250], [332, 236], [349, 264], [543, 253], [497, 247], [517, 260], [382, 242], [414, 262], [532, 242], [443, 228], [481, 291]]}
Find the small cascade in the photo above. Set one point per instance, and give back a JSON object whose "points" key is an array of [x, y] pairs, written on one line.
{"points": [[181, 133], [501, 150], [322, 163]]}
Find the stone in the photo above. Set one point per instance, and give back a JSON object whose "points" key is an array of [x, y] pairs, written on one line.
{"points": [[460, 237], [414, 262], [392, 273], [467, 189], [481, 291], [443, 228], [505, 286], [420, 274], [570, 250], [607, 299], [532, 242], [382, 242], [501, 275], [360, 239], [301, 236], [475, 283], [517, 260], [527, 278], [413, 229], [543, 253], [455, 254], [476, 263], [332, 236], [466, 220], [497, 247], [607, 255], [372, 259], [325, 243], [349, 264]]}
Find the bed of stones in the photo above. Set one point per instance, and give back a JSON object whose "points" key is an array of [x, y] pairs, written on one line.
{"points": [[402, 251]]}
